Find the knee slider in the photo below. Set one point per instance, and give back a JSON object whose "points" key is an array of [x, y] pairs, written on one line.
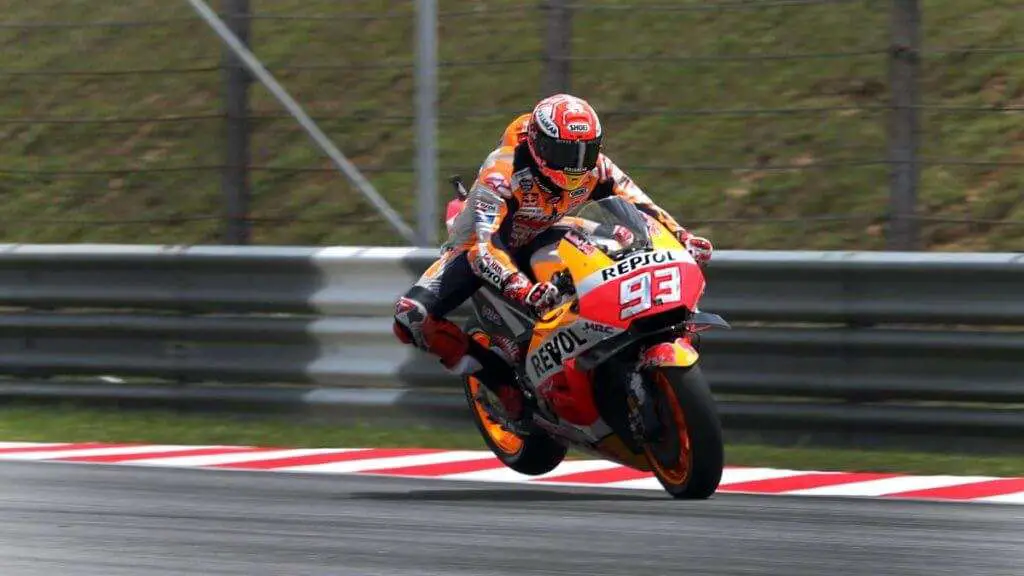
{"points": [[402, 332], [410, 316]]}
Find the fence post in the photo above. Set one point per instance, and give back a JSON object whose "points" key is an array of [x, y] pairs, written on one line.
{"points": [[904, 121], [557, 47], [235, 177], [426, 120]]}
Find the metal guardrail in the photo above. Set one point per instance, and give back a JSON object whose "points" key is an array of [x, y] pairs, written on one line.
{"points": [[822, 341]]}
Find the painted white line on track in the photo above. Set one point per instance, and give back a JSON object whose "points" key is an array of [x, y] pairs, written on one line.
{"points": [[388, 462], [1015, 498], [44, 454], [505, 474], [237, 457], [884, 486]]}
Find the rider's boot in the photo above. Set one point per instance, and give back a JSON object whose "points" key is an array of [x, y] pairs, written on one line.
{"points": [[463, 355]]}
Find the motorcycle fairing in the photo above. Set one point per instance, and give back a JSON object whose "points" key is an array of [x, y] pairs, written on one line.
{"points": [[599, 295], [560, 336], [679, 353]]}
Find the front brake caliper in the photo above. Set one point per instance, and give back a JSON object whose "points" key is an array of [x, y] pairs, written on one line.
{"points": [[643, 419]]}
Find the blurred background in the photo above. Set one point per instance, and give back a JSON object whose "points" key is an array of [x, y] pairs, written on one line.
{"points": [[770, 124]]}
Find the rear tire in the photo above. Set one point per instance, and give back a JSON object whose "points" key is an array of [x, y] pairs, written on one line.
{"points": [[531, 455], [697, 467]]}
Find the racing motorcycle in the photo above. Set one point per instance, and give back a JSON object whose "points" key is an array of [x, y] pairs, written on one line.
{"points": [[612, 370]]}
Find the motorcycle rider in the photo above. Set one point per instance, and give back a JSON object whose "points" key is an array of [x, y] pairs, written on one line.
{"points": [[523, 189]]}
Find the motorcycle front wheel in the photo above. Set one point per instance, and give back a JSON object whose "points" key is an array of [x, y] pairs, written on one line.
{"points": [[689, 455], [531, 455]]}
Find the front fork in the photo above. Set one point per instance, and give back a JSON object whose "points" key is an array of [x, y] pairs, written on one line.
{"points": [[642, 409]]}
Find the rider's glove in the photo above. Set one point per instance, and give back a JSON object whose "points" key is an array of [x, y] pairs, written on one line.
{"points": [[698, 247], [540, 298]]}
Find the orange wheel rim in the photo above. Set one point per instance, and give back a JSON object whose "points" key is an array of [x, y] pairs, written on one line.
{"points": [[680, 472], [507, 442]]}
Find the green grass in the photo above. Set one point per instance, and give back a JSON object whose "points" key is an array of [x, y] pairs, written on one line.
{"points": [[75, 424], [699, 166]]}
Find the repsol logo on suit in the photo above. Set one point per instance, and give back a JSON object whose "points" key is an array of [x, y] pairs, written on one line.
{"points": [[550, 354], [634, 262]]}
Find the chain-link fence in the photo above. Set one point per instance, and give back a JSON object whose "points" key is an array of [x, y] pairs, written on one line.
{"points": [[763, 124]]}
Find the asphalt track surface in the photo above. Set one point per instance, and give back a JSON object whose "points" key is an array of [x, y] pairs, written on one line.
{"points": [[73, 519]]}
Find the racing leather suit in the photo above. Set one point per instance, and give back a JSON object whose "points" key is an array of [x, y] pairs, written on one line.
{"points": [[508, 214]]}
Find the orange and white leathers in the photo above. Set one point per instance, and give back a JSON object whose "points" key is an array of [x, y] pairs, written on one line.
{"points": [[515, 133], [507, 217], [507, 208]]}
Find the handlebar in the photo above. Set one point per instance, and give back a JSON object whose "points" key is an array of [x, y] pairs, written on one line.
{"points": [[460, 189], [563, 281]]}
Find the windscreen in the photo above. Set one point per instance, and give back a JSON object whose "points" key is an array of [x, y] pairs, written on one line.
{"points": [[615, 210]]}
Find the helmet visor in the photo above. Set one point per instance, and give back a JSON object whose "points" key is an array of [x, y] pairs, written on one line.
{"points": [[568, 155]]}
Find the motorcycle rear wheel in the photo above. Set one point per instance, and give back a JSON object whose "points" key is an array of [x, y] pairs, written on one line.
{"points": [[689, 461], [531, 455]]}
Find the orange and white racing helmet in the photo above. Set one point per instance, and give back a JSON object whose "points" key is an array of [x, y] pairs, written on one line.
{"points": [[564, 138]]}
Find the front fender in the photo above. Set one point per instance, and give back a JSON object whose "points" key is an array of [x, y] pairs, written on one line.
{"points": [[679, 353]]}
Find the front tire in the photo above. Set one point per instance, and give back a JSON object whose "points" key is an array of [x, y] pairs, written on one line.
{"points": [[531, 455], [689, 459]]}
